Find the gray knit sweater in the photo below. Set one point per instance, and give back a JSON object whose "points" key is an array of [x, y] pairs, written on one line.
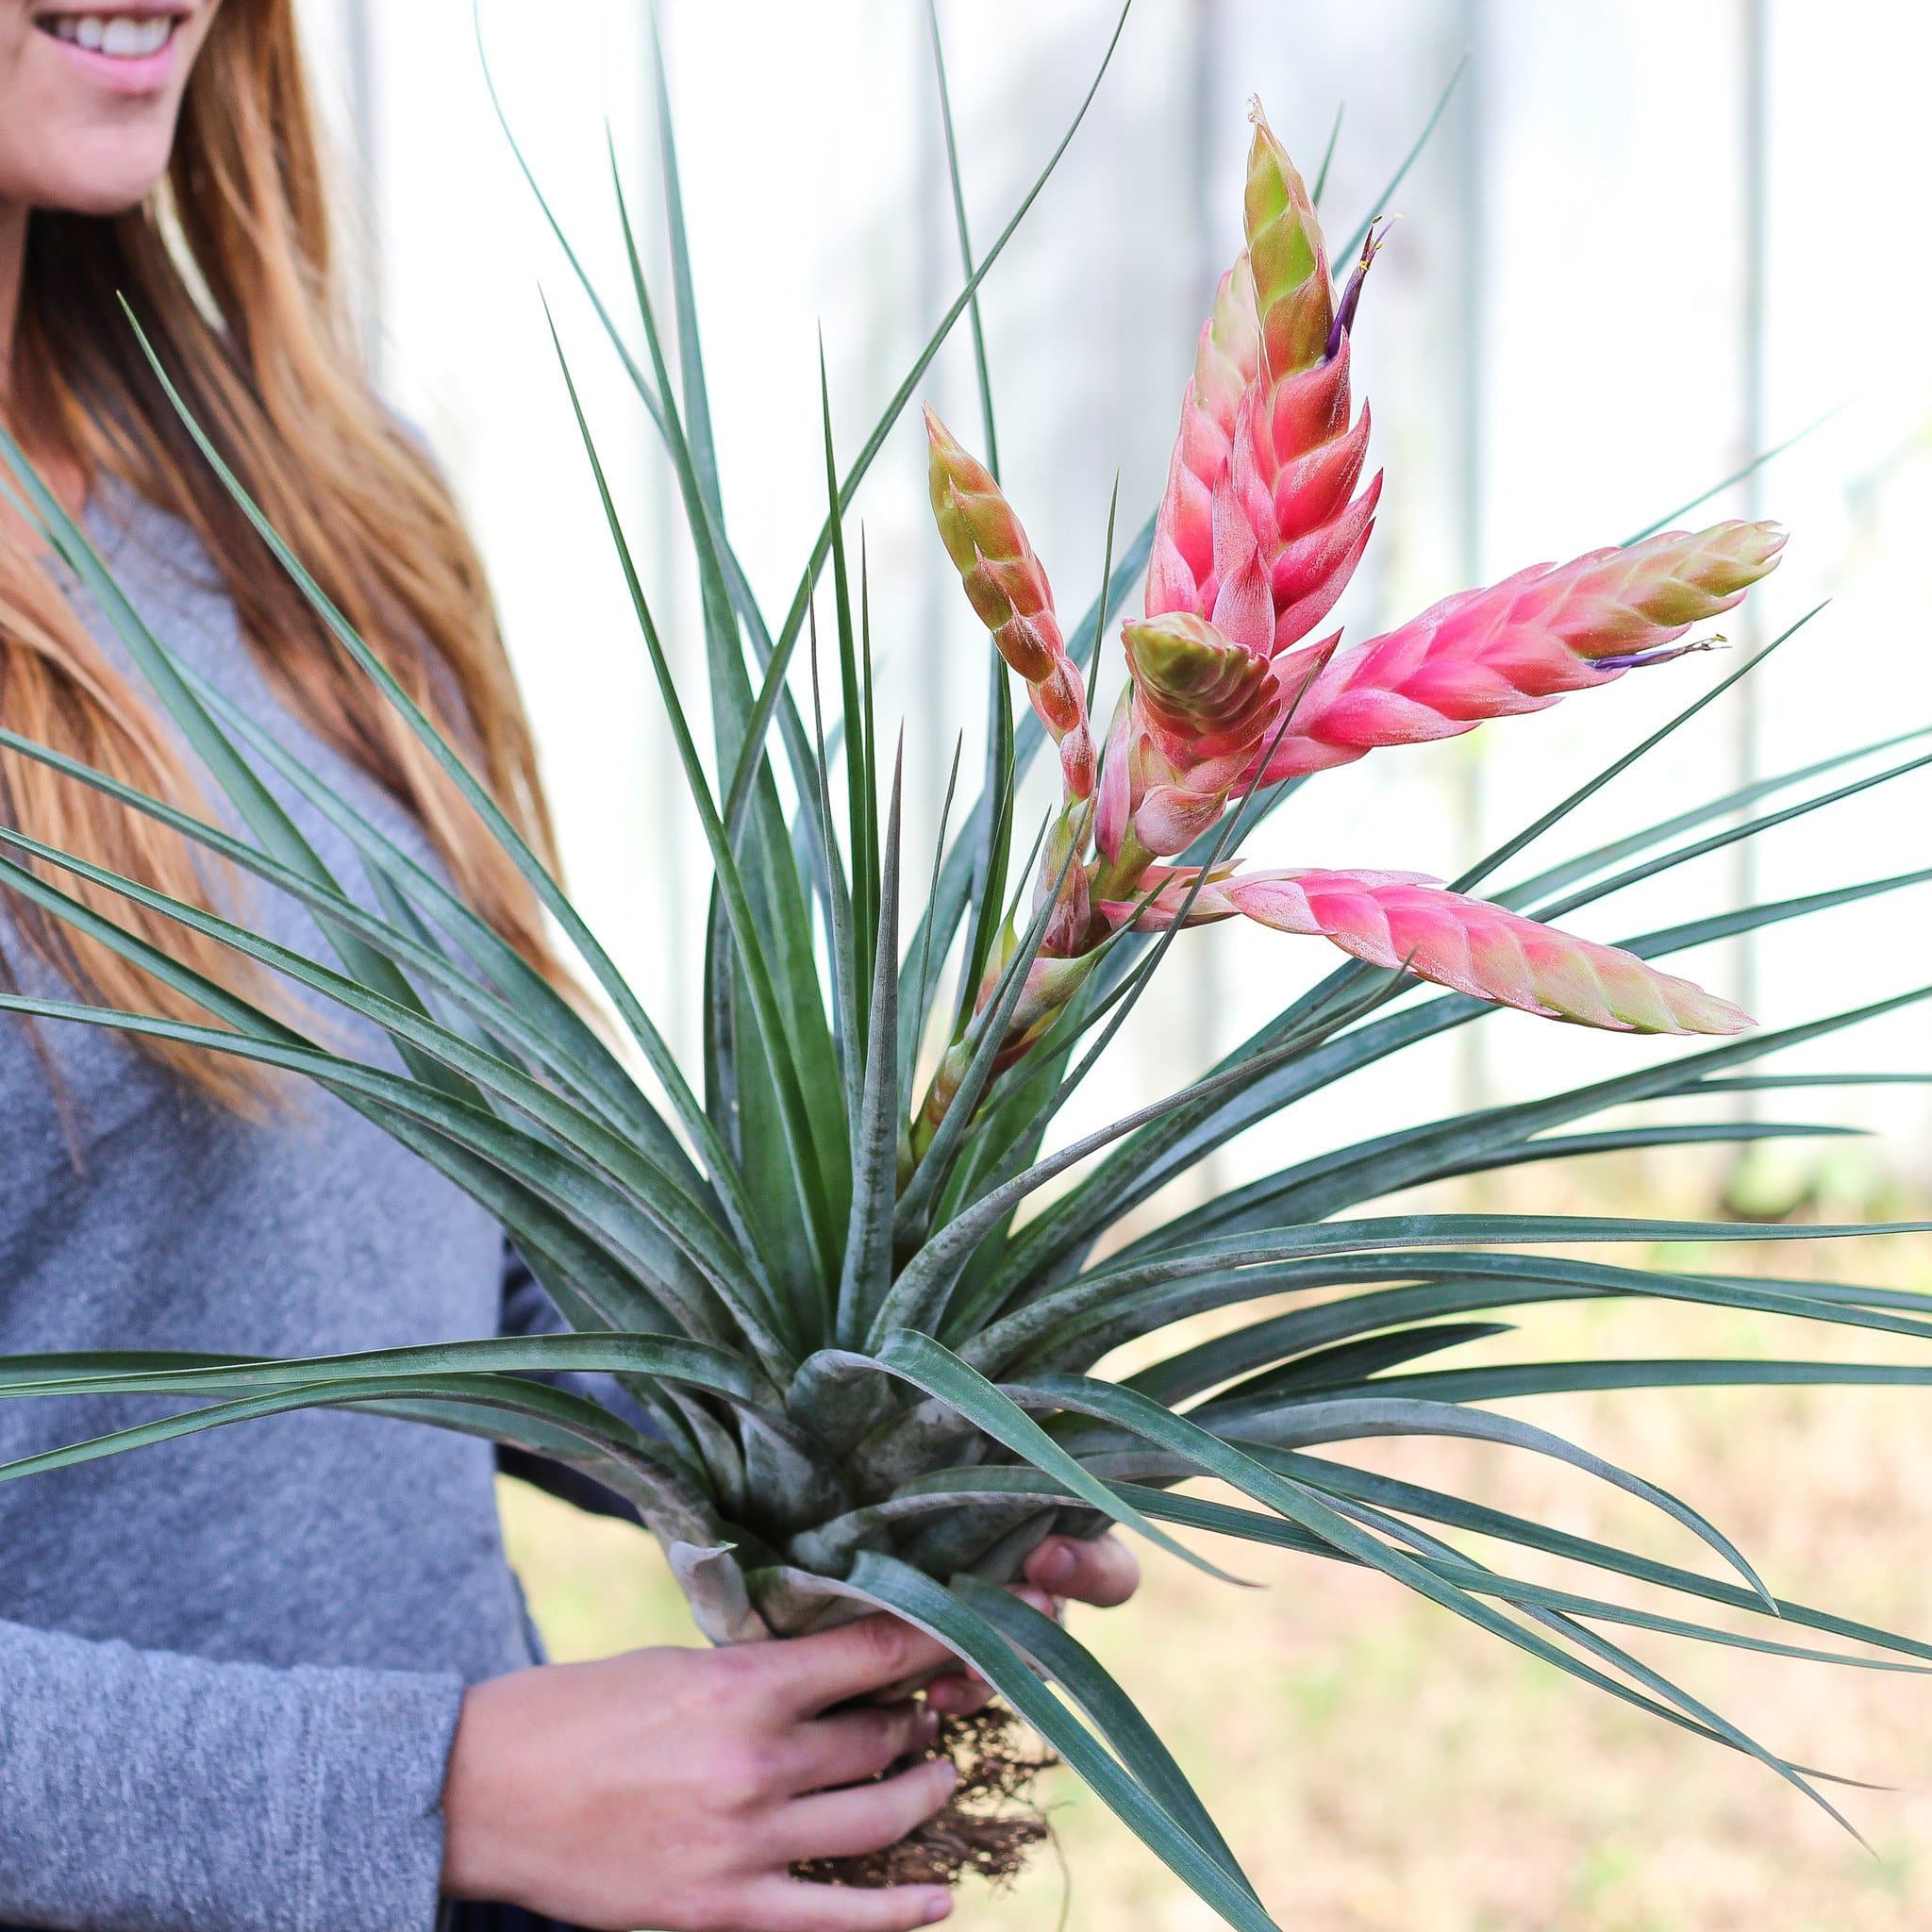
{"points": [[230, 1667]]}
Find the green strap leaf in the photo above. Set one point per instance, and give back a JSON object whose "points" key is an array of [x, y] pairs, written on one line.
{"points": [[500, 828], [839, 911], [1556, 877], [535, 1037], [617, 1232], [832, 1547], [1069, 1663], [801, 1139], [1340, 1178], [941, 1374], [1377, 1232], [1196, 1448], [868, 1268], [1249, 1526], [1696, 1714], [915, 1012], [648, 1473], [1298, 1423], [1346, 1364], [861, 827], [697, 408], [1505, 1381], [632, 1185], [476, 941], [926, 1286], [1256, 1082], [988, 1032], [770, 880], [259, 806], [1416, 1500], [975, 319], [1439, 1286], [788, 636], [1730, 835], [120, 1371], [942, 1614], [1736, 476]]}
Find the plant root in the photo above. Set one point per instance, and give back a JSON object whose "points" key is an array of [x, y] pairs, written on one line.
{"points": [[988, 1828]]}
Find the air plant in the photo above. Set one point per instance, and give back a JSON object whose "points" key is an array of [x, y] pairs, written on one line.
{"points": [[874, 1366]]}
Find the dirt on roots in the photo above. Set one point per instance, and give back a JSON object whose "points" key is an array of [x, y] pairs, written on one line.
{"points": [[987, 1830]]}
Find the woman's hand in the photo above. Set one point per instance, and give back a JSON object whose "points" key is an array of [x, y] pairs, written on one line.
{"points": [[676, 1788]]}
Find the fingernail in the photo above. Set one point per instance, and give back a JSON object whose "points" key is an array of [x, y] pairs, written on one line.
{"points": [[1039, 1599], [939, 1906], [945, 1772], [928, 1726], [1054, 1566]]}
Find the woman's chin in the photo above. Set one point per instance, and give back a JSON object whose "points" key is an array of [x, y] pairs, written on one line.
{"points": [[97, 172]]}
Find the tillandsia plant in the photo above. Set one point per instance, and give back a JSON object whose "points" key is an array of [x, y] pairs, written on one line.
{"points": [[874, 1366]]}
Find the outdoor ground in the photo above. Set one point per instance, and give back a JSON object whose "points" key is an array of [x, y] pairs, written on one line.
{"points": [[1377, 1765]]}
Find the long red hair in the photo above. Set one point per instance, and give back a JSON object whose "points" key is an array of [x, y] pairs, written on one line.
{"points": [[231, 267]]}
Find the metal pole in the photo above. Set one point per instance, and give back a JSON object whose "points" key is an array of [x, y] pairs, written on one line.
{"points": [[1473, 162], [1210, 991], [1754, 152], [937, 706], [358, 39]]}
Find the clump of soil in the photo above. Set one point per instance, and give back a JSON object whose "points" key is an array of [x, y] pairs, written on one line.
{"points": [[988, 1828]]}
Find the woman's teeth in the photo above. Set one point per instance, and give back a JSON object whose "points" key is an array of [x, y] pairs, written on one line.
{"points": [[120, 36]]}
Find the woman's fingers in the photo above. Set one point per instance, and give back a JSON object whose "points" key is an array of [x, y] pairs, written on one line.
{"points": [[1103, 1570], [865, 1818], [856, 1745], [789, 1905], [811, 1673], [957, 1694]]}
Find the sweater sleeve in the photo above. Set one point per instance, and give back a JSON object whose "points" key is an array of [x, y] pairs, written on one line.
{"points": [[144, 1791]]}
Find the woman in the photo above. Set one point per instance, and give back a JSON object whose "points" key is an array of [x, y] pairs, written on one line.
{"points": [[280, 1677]]}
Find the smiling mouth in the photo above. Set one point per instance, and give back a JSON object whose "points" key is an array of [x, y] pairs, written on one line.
{"points": [[118, 35]]}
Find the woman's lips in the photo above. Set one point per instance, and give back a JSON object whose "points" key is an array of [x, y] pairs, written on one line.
{"points": [[127, 51]]}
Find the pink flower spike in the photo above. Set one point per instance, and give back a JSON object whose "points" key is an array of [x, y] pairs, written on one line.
{"points": [[1213, 902], [1243, 607], [1203, 706], [1198, 693], [1520, 644], [1295, 460], [1114, 802], [1267, 407], [1006, 584], [1395, 921], [1293, 297], [1064, 879], [1181, 569]]}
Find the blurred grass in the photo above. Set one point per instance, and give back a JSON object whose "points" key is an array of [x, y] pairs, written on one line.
{"points": [[1379, 1765]]}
